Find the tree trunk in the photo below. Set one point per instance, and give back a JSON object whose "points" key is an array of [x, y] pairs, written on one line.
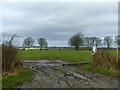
{"points": [[76, 47], [40, 46], [108, 46], [28, 47]]}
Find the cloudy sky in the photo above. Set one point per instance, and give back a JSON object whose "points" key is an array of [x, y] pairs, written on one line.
{"points": [[57, 22]]}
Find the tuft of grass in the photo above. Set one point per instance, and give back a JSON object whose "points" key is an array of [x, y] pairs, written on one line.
{"points": [[21, 76], [107, 59], [101, 70], [67, 55]]}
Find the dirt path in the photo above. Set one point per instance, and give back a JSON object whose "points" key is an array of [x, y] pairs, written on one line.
{"points": [[51, 74]]}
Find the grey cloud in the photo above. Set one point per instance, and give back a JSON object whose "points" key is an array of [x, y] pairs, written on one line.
{"points": [[58, 21]]}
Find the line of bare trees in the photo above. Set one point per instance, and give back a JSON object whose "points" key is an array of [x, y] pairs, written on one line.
{"points": [[78, 40]]}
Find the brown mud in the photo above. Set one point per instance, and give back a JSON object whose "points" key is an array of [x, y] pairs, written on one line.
{"points": [[52, 74]]}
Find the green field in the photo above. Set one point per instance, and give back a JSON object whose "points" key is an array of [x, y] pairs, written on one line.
{"points": [[67, 55]]}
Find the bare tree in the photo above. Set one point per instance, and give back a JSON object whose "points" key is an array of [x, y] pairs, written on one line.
{"points": [[10, 42], [108, 41], [9, 53], [98, 41], [76, 40], [42, 42], [28, 42], [117, 40], [92, 41], [8, 39], [87, 41]]}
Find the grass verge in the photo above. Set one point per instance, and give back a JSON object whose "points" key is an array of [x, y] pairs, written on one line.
{"points": [[21, 76], [101, 70]]}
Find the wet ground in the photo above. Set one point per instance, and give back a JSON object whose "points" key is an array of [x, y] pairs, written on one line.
{"points": [[53, 74]]}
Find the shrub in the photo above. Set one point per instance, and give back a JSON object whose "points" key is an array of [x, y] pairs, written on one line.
{"points": [[104, 59], [9, 61]]}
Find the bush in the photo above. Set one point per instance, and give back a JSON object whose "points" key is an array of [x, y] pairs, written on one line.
{"points": [[104, 59], [9, 61]]}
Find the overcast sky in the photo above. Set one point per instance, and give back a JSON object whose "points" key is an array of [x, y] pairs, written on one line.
{"points": [[57, 22]]}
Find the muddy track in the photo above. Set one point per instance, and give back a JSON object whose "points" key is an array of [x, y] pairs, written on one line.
{"points": [[52, 74]]}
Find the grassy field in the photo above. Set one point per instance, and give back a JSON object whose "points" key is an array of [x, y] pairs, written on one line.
{"points": [[67, 55], [12, 81]]}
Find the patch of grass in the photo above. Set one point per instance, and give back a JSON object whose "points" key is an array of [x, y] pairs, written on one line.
{"points": [[21, 76], [101, 70], [67, 55], [107, 59]]}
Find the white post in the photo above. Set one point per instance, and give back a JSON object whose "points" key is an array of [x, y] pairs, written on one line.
{"points": [[94, 49]]}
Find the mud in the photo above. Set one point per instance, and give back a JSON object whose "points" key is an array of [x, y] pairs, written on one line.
{"points": [[52, 74]]}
